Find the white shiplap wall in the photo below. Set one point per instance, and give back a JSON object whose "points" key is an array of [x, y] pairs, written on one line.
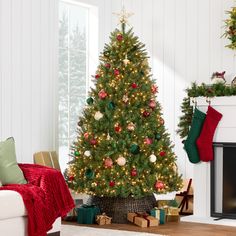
{"points": [[181, 36], [28, 73]]}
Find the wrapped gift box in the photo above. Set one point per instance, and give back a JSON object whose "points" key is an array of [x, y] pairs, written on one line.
{"points": [[103, 219], [173, 211], [162, 203], [172, 218], [159, 214], [86, 214], [142, 219]]}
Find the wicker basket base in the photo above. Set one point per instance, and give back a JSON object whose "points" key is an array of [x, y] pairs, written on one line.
{"points": [[117, 207]]}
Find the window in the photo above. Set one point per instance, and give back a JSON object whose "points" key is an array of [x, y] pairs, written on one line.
{"points": [[74, 70]]}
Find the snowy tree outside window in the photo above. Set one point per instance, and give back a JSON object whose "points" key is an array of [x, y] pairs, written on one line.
{"points": [[73, 79]]}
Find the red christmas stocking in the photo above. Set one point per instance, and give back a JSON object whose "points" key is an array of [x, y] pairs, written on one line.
{"points": [[204, 141]]}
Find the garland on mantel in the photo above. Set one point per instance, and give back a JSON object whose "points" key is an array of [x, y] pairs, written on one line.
{"points": [[203, 90]]}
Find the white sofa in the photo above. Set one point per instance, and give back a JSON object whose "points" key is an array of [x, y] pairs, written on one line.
{"points": [[13, 216]]}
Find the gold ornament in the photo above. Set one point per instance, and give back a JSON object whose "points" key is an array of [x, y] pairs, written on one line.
{"points": [[131, 126], [94, 184], [125, 98], [126, 61]]}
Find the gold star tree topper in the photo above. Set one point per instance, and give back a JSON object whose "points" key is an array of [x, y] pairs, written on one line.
{"points": [[123, 15]]}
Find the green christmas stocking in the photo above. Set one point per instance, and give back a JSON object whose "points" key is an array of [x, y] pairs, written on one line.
{"points": [[195, 130]]}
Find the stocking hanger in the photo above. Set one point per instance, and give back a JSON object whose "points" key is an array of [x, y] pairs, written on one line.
{"points": [[208, 100], [195, 102]]}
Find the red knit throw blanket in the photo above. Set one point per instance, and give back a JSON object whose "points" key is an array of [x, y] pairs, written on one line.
{"points": [[46, 197]]}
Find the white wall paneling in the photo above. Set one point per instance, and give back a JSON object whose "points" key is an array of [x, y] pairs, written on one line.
{"points": [[28, 61], [183, 39]]}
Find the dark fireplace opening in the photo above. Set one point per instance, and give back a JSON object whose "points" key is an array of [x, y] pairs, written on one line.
{"points": [[223, 181]]}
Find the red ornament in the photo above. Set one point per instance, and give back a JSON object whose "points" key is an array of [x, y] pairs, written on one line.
{"points": [[86, 135], [148, 141], [116, 72], [108, 65], [133, 172], [152, 103], [71, 178], [117, 128], [102, 94], [108, 162], [162, 153], [146, 114], [134, 85], [161, 120], [97, 76], [112, 183], [154, 88], [119, 37], [93, 141], [159, 185]]}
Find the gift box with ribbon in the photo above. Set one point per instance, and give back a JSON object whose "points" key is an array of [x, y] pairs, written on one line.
{"points": [[86, 214], [173, 211], [103, 219], [159, 214], [142, 219]]}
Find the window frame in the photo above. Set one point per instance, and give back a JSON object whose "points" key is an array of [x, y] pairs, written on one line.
{"points": [[91, 61]]}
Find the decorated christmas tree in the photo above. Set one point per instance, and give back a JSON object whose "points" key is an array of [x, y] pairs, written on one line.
{"points": [[123, 148]]}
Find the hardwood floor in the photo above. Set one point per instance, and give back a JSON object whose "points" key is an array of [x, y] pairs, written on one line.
{"points": [[174, 228]]}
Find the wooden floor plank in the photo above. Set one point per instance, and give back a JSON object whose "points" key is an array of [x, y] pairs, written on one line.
{"points": [[174, 228]]}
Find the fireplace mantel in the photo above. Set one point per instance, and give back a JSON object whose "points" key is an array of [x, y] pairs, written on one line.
{"points": [[225, 132]]}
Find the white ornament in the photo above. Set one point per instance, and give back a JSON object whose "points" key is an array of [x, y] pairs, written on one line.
{"points": [[121, 161], [152, 158], [108, 137], [98, 115], [87, 153]]}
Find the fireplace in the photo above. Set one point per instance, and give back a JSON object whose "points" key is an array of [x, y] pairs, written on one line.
{"points": [[225, 133], [223, 181]]}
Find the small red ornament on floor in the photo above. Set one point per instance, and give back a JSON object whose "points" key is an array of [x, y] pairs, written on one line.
{"points": [[112, 183], [119, 37], [134, 172]]}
